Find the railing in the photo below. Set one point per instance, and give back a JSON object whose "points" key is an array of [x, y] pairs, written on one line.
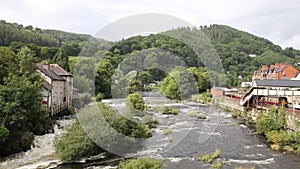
{"points": [[53, 110]]}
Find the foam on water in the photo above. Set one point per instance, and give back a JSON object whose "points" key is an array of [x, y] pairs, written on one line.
{"points": [[266, 161]]}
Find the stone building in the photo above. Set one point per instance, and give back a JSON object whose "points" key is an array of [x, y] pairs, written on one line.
{"points": [[58, 87]]}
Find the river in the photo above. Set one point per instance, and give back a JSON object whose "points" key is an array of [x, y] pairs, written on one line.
{"points": [[193, 137]]}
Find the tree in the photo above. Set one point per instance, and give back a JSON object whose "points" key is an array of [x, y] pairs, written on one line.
{"points": [[145, 77], [179, 84], [21, 111], [8, 61], [103, 78], [62, 59]]}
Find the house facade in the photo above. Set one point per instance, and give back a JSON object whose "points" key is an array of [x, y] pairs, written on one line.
{"points": [[278, 71], [58, 87]]}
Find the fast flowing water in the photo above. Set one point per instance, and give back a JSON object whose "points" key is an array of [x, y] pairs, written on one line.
{"points": [[193, 137]]}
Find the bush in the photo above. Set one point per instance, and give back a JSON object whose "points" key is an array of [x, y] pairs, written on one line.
{"points": [[275, 147], [167, 131], [208, 158], [216, 154], [217, 165], [170, 139], [142, 163], [99, 97], [288, 149], [274, 120], [4, 133], [17, 141], [75, 144], [167, 110], [135, 102], [276, 137]]}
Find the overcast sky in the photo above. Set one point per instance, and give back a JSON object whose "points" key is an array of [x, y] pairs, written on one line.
{"points": [[275, 20]]}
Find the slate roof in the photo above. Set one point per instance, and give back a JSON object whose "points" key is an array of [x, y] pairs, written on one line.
{"points": [[277, 83], [59, 70], [54, 71]]}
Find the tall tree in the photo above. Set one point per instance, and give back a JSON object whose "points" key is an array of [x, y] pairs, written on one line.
{"points": [[62, 59]]}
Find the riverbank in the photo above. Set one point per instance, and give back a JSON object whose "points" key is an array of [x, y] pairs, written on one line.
{"points": [[279, 126]]}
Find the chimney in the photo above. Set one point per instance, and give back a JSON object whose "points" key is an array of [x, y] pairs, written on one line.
{"points": [[46, 66]]}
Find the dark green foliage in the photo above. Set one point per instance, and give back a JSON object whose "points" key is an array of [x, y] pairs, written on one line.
{"points": [[17, 33], [62, 59], [275, 119], [103, 78], [21, 111], [135, 101], [142, 163], [99, 97], [179, 84], [234, 48], [167, 110], [288, 141], [4, 133], [75, 144]]}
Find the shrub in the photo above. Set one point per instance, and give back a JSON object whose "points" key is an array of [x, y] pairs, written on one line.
{"points": [[99, 97], [75, 144], [4, 133], [273, 120], [142, 163], [275, 147], [217, 165], [216, 154], [170, 139], [135, 101], [208, 158], [276, 137], [167, 110], [167, 131], [288, 149]]}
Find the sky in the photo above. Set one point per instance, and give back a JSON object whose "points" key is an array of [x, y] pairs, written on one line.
{"points": [[275, 20]]}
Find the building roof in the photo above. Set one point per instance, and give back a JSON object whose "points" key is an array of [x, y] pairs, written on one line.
{"points": [[277, 83], [59, 70], [49, 73], [54, 71]]}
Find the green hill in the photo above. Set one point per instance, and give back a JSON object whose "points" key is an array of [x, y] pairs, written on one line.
{"points": [[241, 53]]}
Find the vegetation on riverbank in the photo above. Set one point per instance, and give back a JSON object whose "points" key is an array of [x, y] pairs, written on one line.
{"points": [[142, 163], [210, 158], [21, 113], [75, 144], [273, 125]]}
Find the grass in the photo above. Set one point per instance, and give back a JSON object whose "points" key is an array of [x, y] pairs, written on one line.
{"points": [[170, 139], [195, 114], [217, 165], [167, 110], [147, 163], [208, 158], [167, 131]]}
